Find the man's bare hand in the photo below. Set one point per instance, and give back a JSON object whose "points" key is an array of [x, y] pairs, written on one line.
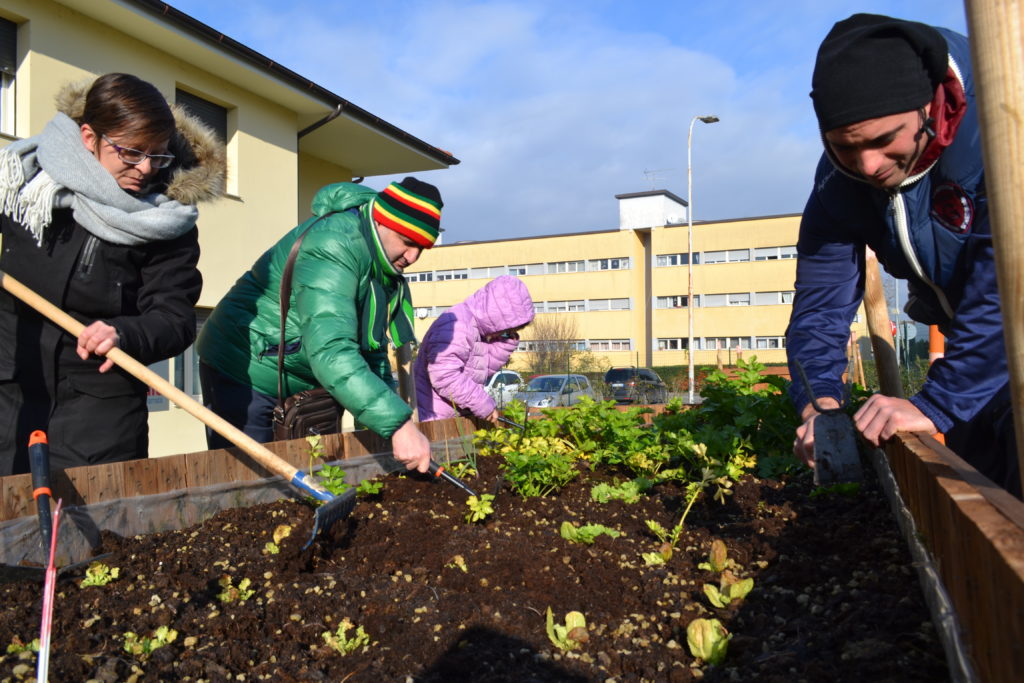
{"points": [[882, 416], [803, 445], [411, 447], [98, 338]]}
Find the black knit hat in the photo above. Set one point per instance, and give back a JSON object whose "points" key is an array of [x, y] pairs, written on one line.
{"points": [[871, 65]]}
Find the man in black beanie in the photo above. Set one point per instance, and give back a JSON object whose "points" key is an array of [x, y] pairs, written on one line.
{"points": [[902, 174]]}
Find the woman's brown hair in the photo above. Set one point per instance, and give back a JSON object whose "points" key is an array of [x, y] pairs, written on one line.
{"points": [[125, 105]]}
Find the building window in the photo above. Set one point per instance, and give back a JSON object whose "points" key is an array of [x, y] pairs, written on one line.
{"points": [[713, 300], [786, 297], [567, 267], [557, 307], [787, 252], [517, 270], [460, 274], [608, 305], [716, 256], [772, 298], [739, 255], [538, 306], [611, 345], [673, 343], [576, 306], [677, 301], [438, 310], [621, 263], [534, 268], [774, 253], [8, 67], [486, 272], [739, 299], [213, 115], [186, 364], [770, 342], [426, 276]]}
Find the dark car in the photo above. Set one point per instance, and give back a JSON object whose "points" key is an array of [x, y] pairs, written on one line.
{"points": [[635, 385]]}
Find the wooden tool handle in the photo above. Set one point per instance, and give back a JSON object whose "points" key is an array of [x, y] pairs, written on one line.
{"points": [[133, 367], [881, 330]]}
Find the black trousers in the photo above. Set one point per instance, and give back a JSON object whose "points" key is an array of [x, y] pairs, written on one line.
{"points": [[988, 443]]}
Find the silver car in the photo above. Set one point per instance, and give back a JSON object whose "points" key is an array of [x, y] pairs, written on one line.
{"points": [[503, 386], [547, 391]]}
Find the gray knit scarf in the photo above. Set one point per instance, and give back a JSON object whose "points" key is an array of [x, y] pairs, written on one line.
{"points": [[55, 170]]}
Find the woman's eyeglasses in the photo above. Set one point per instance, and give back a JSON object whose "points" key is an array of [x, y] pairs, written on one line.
{"points": [[135, 157]]}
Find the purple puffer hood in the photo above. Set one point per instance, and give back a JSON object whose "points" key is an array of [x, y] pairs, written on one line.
{"points": [[501, 304], [456, 359]]}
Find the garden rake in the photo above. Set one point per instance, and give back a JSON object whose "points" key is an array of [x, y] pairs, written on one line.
{"points": [[334, 507]]}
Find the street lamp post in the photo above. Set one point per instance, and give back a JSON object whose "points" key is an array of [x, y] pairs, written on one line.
{"points": [[689, 259]]}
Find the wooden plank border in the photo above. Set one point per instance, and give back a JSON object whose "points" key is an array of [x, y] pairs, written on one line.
{"points": [[975, 532]]}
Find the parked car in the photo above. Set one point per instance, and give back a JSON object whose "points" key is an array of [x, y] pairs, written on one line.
{"points": [[547, 391], [636, 385], [503, 386]]}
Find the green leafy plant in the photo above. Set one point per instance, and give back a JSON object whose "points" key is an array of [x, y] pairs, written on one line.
{"points": [[849, 489], [332, 477], [708, 640], [17, 646], [479, 507], [718, 558], [230, 593], [143, 646], [572, 634], [534, 466], [628, 491], [729, 589], [463, 469], [369, 487], [587, 533], [99, 574], [342, 643]]}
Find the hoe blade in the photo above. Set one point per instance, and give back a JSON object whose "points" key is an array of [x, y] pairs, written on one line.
{"points": [[331, 512], [836, 456]]}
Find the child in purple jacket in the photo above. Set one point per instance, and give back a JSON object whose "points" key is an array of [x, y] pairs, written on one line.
{"points": [[467, 344]]}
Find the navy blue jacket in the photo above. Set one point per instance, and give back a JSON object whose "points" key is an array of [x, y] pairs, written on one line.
{"points": [[938, 218]]}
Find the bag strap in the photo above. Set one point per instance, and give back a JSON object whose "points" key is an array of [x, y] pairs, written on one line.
{"points": [[286, 296]]}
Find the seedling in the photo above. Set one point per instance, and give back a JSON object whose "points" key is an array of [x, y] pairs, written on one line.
{"points": [[463, 469], [342, 643], [708, 640], [239, 593], [458, 562], [331, 477], [587, 533], [369, 487], [730, 589], [17, 646], [718, 559], [570, 636], [143, 646], [479, 507], [281, 532], [99, 574]]}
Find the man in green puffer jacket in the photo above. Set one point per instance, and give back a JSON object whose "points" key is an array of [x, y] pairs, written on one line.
{"points": [[348, 296]]}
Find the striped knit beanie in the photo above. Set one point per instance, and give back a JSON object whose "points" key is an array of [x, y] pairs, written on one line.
{"points": [[412, 208]]}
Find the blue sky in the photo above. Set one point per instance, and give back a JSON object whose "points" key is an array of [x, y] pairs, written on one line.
{"points": [[554, 107]]}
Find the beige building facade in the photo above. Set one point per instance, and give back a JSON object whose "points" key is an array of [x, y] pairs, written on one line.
{"points": [[626, 291], [286, 136]]}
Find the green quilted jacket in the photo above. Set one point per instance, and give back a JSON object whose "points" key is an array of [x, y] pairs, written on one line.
{"points": [[324, 343]]}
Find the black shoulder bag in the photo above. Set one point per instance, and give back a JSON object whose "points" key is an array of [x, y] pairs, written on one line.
{"points": [[312, 411]]}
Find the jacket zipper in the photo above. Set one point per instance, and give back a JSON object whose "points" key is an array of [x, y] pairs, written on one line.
{"points": [[899, 210]]}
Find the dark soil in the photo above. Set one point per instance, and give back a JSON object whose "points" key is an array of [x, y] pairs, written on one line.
{"points": [[835, 597]]}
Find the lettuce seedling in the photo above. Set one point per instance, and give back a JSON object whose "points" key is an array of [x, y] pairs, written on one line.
{"points": [[281, 532], [718, 559], [17, 646], [587, 533], [628, 491], [340, 642], [570, 636], [369, 487], [99, 574], [143, 646], [240, 593], [708, 640], [730, 589]]}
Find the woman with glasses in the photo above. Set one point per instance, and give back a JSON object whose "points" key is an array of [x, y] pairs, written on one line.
{"points": [[98, 216]]}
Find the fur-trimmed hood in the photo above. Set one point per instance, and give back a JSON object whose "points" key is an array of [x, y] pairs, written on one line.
{"points": [[200, 161]]}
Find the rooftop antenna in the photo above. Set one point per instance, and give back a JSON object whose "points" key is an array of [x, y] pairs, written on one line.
{"points": [[654, 176]]}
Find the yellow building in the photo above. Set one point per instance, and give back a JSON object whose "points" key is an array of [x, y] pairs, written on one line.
{"points": [[286, 136], [625, 293]]}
